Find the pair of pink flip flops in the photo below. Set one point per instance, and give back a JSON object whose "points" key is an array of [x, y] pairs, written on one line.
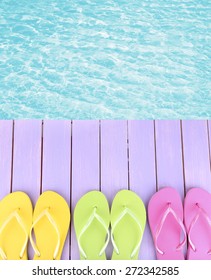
{"points": [[166, 215]]}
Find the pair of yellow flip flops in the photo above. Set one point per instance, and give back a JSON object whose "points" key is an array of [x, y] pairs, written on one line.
{"points": [[92, 219], [49, 222]]}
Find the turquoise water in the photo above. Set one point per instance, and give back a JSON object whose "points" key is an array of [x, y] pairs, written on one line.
{"points": [[105, 59]]}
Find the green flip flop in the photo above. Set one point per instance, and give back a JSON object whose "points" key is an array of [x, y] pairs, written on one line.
{"points": [[128, 219], [91, 222]]}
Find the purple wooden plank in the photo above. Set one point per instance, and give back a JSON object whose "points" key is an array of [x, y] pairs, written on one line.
{"points": [[142, 172], [85, 166], [6, 128], [196, 154], [114, 158], [27, 160], [56, 162], [27, 157], [169, 155], [209, 131]]}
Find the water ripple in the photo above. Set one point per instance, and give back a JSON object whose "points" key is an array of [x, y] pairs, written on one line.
{"points": [[105, 59]]}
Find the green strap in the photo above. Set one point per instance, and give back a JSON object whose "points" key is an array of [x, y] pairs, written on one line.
{"points": [[121, 216], [93, 216]]}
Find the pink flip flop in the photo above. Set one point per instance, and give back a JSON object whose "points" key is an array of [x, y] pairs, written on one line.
{"points": [[165, 213], [197, 212]]}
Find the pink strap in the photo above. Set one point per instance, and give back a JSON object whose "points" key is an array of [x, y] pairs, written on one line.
{"points": [[195, 219], [160, 226]]}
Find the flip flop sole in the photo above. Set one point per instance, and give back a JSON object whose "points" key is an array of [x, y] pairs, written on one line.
{"points": [[201, 232], [127, 232], [94, 237], [169, 237], [45, 234], [12, 238]]}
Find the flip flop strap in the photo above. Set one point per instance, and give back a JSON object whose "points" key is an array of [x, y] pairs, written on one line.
{"points": [[21, 223], [200, 211], [121, 216], [54, 224], [93, 216], [160, 226]]}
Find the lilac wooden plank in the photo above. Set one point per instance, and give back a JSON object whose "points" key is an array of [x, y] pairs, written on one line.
{"points": [[114, 157], [27, 160], [27, 157], [169, 155], [6, 130], [114, 160], [196, 154], [142, 172], [209, 131], [56, 163], [85, 166]]}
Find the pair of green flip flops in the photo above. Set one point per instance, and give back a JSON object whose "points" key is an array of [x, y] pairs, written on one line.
{"points": [[92, 219]]}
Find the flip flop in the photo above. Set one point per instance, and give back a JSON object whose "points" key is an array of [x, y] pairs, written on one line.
{"points": [[51, 219], [15, 222], [128, 219], [197, 212], [91, 222], [165, 214]]}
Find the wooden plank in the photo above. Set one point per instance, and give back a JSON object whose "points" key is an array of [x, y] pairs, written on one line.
{"points": [[196, 154], [169, 155], [27, 160], [114, 160], [142, 172], [209, 134], [27, 157], [6, 131], [85, 166], [170, 172], [56, 163]]}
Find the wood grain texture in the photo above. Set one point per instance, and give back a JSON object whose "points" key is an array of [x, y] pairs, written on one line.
{"points": [[6, 131], [27, 160], [85, 166], [142, 172], [209, 131], [27, 157], [169, 155], [104, 155], [114, 161], [56, 163], [114, 157], [196, 154]]}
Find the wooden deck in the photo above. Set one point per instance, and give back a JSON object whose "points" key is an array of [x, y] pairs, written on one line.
{"points": [[74, 157]]}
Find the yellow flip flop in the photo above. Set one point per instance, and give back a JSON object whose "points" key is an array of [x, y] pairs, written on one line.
{"points": [[51, 219], [15, 222], [91, 222], [128, 219]]}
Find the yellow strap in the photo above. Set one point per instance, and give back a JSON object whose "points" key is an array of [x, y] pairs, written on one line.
{"points": [[54, 224], [21, 223]]}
